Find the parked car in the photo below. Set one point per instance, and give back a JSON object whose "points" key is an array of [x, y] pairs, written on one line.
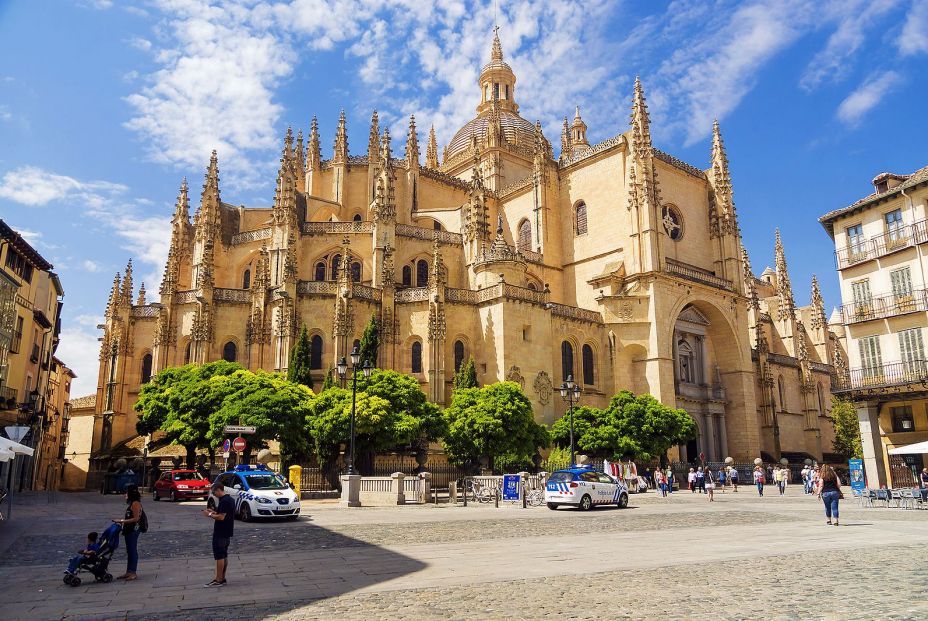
{"points": [[180, 485], [584, 488], [258, 493]]}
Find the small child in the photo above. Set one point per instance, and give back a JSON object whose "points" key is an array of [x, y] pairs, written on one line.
{"points": [[90, 551]]}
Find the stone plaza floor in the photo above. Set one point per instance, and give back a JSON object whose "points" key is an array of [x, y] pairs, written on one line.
{"points": [[741, 557]]}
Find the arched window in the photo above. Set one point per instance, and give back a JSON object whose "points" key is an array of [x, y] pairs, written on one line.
{"points": [[357, 217], [336, 263], [320, 271], [315, 352], [229, 352], [782, 391], [458, 355], [422, 273], [436, 225], [580, 221], [588, 376], [146, 368], [417, 357], [525, 236], [356, 272], [567, 360], [187, 353], [407, 276], [246, 279]]}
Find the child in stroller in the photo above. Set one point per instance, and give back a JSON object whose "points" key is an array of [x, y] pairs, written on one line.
{"points": [[95, 558]]}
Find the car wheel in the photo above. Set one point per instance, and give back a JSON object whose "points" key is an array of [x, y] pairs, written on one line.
{"points": [[155, 496], [244, 513], [586, 503], [623, 501], [173, 496], [552, 506]]}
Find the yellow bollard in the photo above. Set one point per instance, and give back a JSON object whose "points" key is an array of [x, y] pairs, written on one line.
{"points": [[296, 475]]}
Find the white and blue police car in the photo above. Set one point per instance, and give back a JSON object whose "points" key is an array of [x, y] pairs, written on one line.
{"points": [[584, 488], [258, 492]]}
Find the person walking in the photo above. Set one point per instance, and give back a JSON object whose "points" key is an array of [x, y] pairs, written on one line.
{"points": [[829, 490], [223, 517], [131, 531], [701, 480], [691, 480], [759, 480], [709, 485]]}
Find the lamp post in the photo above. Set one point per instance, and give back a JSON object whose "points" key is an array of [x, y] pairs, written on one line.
{"points": [[570, 392], [342, 371]]}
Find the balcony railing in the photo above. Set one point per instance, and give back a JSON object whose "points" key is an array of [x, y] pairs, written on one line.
{"points": [[697, 274], [892, 374], [883, 244], [885, 306]]}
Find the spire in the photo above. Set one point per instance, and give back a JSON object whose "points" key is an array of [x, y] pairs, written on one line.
{"points": [[373, 139], [787, 306], [725, 206], [818, 306], [566, 147], [313, 154], [750, 290], [340, 153], [496, 52], [412, 144], [431, 151], [141, 300]]}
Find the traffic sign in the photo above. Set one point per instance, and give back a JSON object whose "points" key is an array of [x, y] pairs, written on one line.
{"points": [[238, 429], [226, 446], [239, 445]]}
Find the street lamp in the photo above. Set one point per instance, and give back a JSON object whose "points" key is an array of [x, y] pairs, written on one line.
{"points": [[570, 392], [342, 371]]}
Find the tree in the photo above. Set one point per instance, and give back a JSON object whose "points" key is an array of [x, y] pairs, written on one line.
{"points": [[466, 377], [492, 421], [370, 341], [179, 401], [298, 370], [847, 429]]}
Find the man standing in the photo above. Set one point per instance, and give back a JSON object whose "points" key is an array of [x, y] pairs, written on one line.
{"points": [[223, 523]]}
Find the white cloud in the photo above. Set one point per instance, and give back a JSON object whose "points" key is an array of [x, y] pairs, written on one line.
{"points": [[914, 36], [867, 96], [33, 186], [90, 266]]}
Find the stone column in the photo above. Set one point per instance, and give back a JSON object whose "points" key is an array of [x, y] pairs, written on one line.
{"points": [[868, 415]]}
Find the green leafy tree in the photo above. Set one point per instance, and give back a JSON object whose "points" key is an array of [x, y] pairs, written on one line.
{"points": [[492, 421], [298, 370], [370, 341], [847, 429], [466, 377]]}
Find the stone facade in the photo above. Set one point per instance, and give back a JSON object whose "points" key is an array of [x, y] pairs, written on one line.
{"points": [[595, 264]]}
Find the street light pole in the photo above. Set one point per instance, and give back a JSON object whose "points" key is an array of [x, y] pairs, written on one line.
{"points": [[570, 392], [342, 370]]}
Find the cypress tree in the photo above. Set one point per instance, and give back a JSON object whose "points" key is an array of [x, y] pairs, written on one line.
{"points": [[370, 342], [300, 360]]}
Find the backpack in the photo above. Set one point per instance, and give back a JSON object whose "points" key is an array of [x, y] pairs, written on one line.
{"points": [[143, 522]]}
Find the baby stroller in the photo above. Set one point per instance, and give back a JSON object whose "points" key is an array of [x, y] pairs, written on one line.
{"points": [[99, 562]]}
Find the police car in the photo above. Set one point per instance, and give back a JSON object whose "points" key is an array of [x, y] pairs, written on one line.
{"points": [[584, 488], [258, 493]]}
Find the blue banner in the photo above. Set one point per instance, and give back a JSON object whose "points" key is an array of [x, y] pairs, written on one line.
{"points": [[856, 466], [511, 486]]}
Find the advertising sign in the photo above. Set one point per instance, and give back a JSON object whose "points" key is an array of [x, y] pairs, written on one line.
{"points": [[512, 487], [856, 466]]}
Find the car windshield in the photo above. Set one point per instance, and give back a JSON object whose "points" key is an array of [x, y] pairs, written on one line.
{"points": [[561, 477], [188, 476], [264, 481]]}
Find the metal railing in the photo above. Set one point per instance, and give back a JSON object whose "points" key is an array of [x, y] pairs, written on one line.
{"points": [[882, 244], [887, 375], [885, 306], [697, 274]]}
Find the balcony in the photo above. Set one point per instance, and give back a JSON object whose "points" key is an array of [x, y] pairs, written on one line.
{"points": [[890, 375], [884, 244], [885, 306]]}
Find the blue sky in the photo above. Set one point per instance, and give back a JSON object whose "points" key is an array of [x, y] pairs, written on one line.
{"points": [[106, 104]]}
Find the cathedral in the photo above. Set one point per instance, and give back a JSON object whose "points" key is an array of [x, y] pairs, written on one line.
{"points": [[614, 263]]}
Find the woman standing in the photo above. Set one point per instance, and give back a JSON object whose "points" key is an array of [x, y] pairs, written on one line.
{"points": [[130, 531], [829, 490]]}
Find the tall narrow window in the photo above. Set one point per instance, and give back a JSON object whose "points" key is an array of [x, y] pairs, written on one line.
{"points": [[320, 271], [315, 352], [416, 357], [246, 279], [567, 359], [229, 352], [870, 357], [356, 272], [588, 375], [525, 236], [146, 368], [422, 273], [336, 263], [458, 355], [581, 219], [407, 276], [912, 351]]}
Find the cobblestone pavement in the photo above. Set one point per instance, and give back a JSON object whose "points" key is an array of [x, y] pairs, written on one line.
{"points": [[741, 557]]}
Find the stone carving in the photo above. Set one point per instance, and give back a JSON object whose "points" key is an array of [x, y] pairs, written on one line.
{"points": [[543, 387]]}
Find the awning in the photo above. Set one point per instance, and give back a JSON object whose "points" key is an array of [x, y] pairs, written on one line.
{"points": [[912, 449], [8, 445]]}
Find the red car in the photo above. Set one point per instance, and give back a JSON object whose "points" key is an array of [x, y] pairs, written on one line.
{"points": [[180, 485]]}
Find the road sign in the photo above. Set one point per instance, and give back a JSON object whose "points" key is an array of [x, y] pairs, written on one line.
{"points": [[226, 446], [238, 429], [239, 445]]}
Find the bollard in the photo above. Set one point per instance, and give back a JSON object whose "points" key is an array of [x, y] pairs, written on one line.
{"points": [[296, 476]]}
